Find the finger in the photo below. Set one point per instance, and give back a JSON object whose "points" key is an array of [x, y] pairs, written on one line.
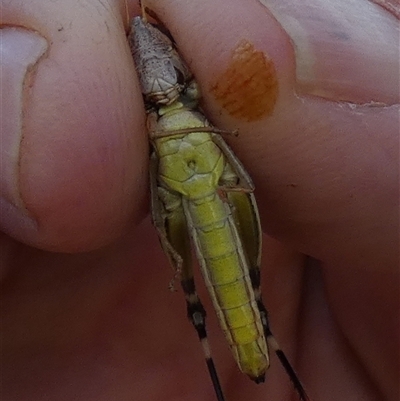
{"points": [[103, 321], [75, 153], [325, 164]]}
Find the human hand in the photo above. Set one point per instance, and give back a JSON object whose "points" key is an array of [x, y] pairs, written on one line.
{"points": [[100, 324]]}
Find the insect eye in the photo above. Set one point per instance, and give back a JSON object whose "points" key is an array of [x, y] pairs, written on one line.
{"points": [[180, 77]]}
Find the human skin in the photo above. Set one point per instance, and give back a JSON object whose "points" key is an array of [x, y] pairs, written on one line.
{"points": [[85, 310]]}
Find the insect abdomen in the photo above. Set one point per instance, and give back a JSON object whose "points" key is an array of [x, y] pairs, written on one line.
{"points": [[224, 268]]}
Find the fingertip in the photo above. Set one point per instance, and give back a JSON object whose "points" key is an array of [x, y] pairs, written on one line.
{"points": [[82, 154]]}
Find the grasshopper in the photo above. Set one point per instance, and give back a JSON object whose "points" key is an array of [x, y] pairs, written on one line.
{"points": [[202, 197]]}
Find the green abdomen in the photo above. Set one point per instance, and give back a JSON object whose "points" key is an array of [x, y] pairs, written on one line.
{"points": [[224, 267]]}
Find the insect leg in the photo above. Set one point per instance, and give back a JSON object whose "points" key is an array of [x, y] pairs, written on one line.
{"points": [[170, 221], [197, 315], [241, 181], [191, 130], [161, 217]]}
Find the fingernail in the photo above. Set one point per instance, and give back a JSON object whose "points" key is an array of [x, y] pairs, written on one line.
{"points": [[20, 51], [343, 53]]}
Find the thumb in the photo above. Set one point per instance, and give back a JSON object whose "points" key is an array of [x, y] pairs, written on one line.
{"points": [[72, 128]]}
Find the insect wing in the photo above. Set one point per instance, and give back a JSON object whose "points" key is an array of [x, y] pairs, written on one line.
{"points": [[245, 212], [244, 206]]}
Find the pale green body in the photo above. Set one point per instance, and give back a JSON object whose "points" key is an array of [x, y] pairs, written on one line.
{"points": [[197, 186]]}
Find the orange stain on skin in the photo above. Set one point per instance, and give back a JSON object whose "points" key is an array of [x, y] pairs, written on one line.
{"points": [[248, 88]]}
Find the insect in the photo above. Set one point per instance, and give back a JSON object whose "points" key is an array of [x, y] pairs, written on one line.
{"points": [[202, 197]]}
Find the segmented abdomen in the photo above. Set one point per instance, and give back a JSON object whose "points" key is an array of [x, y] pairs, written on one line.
{"points": [[224, 267]]}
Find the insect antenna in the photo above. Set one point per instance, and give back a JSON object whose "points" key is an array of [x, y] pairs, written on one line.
{"points": [[143, 10], [146, 11]]}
